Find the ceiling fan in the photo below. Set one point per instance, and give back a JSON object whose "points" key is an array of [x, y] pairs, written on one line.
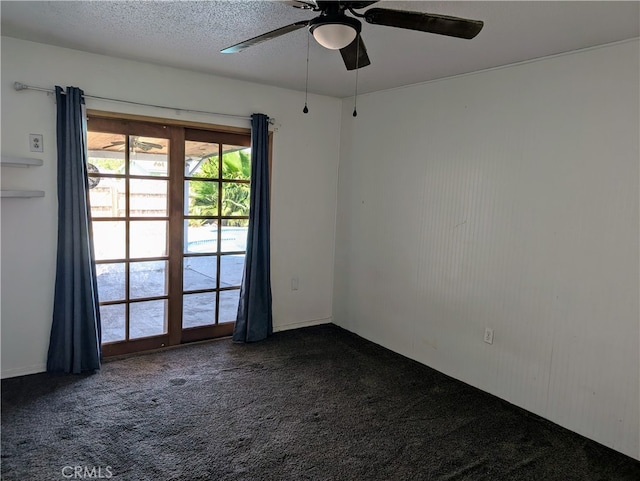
{"points": [[134, 143], [335, 30]]}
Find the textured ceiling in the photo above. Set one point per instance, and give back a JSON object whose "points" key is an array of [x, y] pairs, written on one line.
{"points": [[190, 35]]}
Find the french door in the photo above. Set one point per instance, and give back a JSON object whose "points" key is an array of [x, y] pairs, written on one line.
{"points": [[170, 212]]}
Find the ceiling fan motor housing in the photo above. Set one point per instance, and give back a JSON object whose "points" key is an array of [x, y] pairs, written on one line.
{"points": [[324, 5]]}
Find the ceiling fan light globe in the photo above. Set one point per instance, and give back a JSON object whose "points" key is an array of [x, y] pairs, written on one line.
{"points": [[334, 36]]}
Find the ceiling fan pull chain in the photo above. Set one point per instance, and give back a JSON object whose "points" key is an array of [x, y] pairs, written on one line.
{"points": [[355, 98], [306, 85]]}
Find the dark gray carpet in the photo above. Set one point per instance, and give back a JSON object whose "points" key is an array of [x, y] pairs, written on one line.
{"points": [[311, 404]]}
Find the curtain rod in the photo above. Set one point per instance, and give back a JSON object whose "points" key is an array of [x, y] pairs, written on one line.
{"points": [[20, 86]]}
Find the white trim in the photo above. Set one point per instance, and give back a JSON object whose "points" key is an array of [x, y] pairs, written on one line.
{"points": [[499, 67], [24, 371], [298, 325]]}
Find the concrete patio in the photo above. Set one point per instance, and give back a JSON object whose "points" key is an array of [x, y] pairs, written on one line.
{"points": [[150, 279]]}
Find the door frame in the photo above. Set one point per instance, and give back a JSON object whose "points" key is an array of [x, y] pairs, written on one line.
{"points": [[174, 130]]}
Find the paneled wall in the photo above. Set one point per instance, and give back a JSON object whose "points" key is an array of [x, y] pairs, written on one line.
{"points": [[505, 199]]}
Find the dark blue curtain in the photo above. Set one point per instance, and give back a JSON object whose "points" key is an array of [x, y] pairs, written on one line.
{"points": [[254, 321], [75, 345]]}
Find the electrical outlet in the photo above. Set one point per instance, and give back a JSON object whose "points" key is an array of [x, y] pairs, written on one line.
{"points": [[488, 335], [35, 143], [294, 283]]}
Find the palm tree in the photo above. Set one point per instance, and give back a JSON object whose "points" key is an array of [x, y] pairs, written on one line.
{"points": [[235, 197]]}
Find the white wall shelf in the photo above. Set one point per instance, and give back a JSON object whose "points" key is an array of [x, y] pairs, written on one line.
{"points": [[20, 162], [21, 193], [9, 161]]}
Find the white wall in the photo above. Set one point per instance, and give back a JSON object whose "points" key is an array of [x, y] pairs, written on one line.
{"points": [[505, 199], [304, 182]]}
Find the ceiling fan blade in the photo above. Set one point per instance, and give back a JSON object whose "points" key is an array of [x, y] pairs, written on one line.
{"points": [[424, 22], [355, 54], [265, 36], [116, 143]]}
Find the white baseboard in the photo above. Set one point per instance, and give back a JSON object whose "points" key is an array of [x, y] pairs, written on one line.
{"points": [[23, 371], [298, 325]]}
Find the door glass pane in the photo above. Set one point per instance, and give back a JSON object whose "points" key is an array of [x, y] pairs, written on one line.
{"points": [[231, 269], [107, 197], [109, 239], [148, 238], [198, 309], [236, 162], [113, 322], [148, 279], [234, 236], [201, 237], [229, 306], [106, 153], [147, 318], [199, 273], [130, 186], [148, 198], [201, 198], [235, 199], [111, 282], [201, 159], [148, 156]]}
